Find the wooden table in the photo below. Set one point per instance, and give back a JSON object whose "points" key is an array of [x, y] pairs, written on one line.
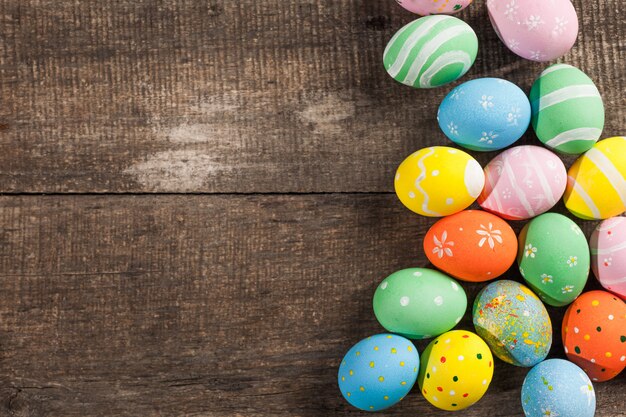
{"points": [[197, 201]]}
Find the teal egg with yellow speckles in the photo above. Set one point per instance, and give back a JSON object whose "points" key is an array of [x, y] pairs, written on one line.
{"points": [[514, 323], [557, 387], [567, 110], [553, 257], [378, 372], [431, 51]]}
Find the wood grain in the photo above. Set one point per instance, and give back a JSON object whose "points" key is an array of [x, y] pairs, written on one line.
{"points": [[222, 305], [237, 96], [207, 305]]}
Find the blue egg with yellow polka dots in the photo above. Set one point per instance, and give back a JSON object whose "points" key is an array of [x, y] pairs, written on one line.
{"points": [[378, 371]]}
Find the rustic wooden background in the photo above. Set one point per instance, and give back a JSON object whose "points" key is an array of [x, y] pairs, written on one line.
{"points": [[197, 200]]}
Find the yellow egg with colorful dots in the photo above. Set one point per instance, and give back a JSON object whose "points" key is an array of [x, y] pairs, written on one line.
{"points": [[455, 370], [439, 181]]}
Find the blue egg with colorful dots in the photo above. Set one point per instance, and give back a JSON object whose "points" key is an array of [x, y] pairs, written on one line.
{"points": [[485, 114], [378, 371], [557, 387]]}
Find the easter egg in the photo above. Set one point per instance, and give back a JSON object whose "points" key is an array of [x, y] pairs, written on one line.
{"points": [[378, 372], [596, 183], [438, 181], [419, 303], [523, 182], [431, 51], [567, 110], [455, 370], [471, 245], [484, 114], [514, 323], [557, 387], [538, 30], [553, 258], [594, 334], [426, 7], [608, 255]]}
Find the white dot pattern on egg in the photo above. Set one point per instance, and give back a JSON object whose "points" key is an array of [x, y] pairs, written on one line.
{"points": [[439, 181]]}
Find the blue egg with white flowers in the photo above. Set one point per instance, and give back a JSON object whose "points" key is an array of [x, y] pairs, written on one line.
{"points": [[485, 114], [557, 387], [378, 372]]}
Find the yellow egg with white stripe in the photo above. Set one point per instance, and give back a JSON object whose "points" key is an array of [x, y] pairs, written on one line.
{"points": [[596, 183], [439, 181]]}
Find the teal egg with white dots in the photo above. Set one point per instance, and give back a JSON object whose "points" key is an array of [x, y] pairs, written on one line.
{"points": [[378, 372], [431, 51], [557, 387], [567, 110]]}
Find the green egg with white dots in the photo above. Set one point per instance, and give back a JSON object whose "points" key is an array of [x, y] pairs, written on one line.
{"points": [[419, 303], [553, 257]]}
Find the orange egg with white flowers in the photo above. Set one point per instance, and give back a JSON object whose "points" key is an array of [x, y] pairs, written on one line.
{"points": [[471, 245], [594, 334]]}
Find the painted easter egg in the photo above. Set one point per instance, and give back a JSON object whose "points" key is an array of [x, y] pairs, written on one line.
{"points": [[608, 255], [567, 110], [523, 182], [471, 245], [594, 334], [455, 370], [438, 181], [514, 323], [553, 258], [557, 387], [431, 51], [538, 30], [596, 183], [484, 114], [378, 372], [426, 7], [419, 303]]}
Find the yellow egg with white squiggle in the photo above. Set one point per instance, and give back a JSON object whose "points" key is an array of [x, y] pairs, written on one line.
{"points": [[438, 181], [596, 183]]}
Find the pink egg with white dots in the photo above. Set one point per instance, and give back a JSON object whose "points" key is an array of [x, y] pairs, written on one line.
{"points": [[523, 182], [608, 255], [539, 30], [427, 7]]}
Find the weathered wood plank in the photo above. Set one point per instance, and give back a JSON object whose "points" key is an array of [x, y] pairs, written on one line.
{"points": [[207, 305], [236, 96]]}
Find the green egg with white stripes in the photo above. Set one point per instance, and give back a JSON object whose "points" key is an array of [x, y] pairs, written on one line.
{"points": [[567, 110], [431, 51]]}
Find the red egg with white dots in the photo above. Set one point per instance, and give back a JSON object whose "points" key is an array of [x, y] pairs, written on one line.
{"points": [[594, 334]]}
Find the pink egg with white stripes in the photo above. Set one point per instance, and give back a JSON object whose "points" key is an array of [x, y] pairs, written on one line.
{"points": [[539, 30], [523, 182], [608, 255]]}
